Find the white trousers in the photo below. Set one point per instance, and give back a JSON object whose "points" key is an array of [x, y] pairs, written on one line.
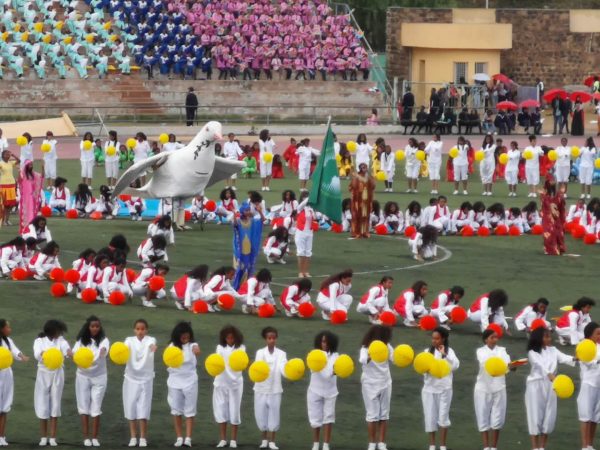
{"points": [[274, 253], [50, 169], [511, 177], [532, 175], [412, 171], [562, 174], [87, 169], [540, 403], [436, 409], [227, 405], [588, 403], [7, 388], [566, 334], [112, 169], [342, 302], [183, 401], [486, 171], [374, 307], [222, 212], [434, 171], [266, 411], [586, 175], [377, 402], [304, 243], [441, 314], [476, 317], [417, 312], [137, 399], [490, 410], [89, 393], [441, 224], [265, 169], [261, 297], [321, 410], [47, 394], [304, 171], [142, 290], [461, 172]]}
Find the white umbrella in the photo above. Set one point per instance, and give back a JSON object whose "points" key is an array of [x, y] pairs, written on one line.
{"points": [[481, 77]]}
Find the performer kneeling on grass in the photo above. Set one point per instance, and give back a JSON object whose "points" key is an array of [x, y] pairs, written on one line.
{"points": [[410, 305], [140, 285], [444, 303], [256, 291], [375, 300], [296, 294], [276, 246], [532, 312], [423, 244], [334, 295]]}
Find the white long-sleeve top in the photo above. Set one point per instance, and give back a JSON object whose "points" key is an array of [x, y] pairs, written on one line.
{"points": [[388, 162], [527, 315], [51, 155], [13, 349], [410, 155], [155, 230], [576, 323], [60, 194], [229, 379], [462, 218], [324, 383], [30, 231], [590, 371], [44, 260], [485, 382], [265, 147], [336, 289], [286, 208], [217, 283], [575, 212], [489, 153], [587, 157], [376, 292], [194, 290], [93, 277], [434, 151], [110, 275], [98, 367], [438, 385], [395, 219], [146, 251], [305, 155], [258, 289], [81, 266], [461, 159], [141, 281], [410, 303], [363, 154], [185, 375], [272, 242], [115, 157], [534, 162], [86, 155], [140, 365], [486, 312], [564, 156], [232, 150], [412, 219], [41, 344], [10, 254], [546, 363], [141, 151], [374, 374], [513, 160], [276, 361]]}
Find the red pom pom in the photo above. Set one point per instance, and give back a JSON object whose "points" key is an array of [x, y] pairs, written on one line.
{"points": [[210, 206], [124, 197], [131, 275], [265, 311], [458, 315], [537, 229], [46, 211], [156, 283], [337, 228], [427, 323], [72, 276], [497, 329], [116, 298], [538, 323], [72, 214], [501, 230], [578, 231], [410, 231], [226, 301], [96, 215], [388, 318], [483, 232], [381, 229], [19, 274], [338, 317], [200, 307], [57, 274], [514, 230], [58, 290], [277, 222], [315, 226], [569, 226], [89, 295], [306, 310], [467, 231], [589, 239], [187, 215]]}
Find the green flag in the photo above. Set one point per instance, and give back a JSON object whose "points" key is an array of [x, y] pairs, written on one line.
{"points": [[325, 194]]}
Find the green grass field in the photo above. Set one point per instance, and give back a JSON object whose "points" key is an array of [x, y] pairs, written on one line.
{"points": [[479, 264]]}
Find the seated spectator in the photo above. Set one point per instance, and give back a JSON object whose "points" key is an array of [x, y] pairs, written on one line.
{"points": [[421, 122], [524, 119], [502, 122], [373, 119], [474, 121], [536, 121], [488, 122], [464, 121]]}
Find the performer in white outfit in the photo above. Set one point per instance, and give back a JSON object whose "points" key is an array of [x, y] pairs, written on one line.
{"points": [[333, 294], [91, 382], [375, 300], [140, 285], [60, 198], [87, 158], [232, 151], [413, 165], [388, 166], [586, 167], [460, 164], [563, 165], [42, 263], [305, 155], [511, 172], [50, 158], [112, 155], [532, 166], [527, 315], [255, 292], [444, 303], [190, 287], [461, 218], [489, 308], [588, 400], [114, 279], [137, 385], [219, 283], [571, 324], [423, 245], [439, 217], [576, 211], [363, 151], [275, 247], [267, 394], [487, 167], [434, 161], [266, 146], [162, 226], [410, 304], [295, 295], [303, 237], [11, 255]]}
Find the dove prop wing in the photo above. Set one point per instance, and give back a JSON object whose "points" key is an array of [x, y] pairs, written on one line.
{"points": [[135, 172], [224, 168]]}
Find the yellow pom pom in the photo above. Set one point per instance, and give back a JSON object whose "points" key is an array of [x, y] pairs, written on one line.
{"points": [[423, 362], [258, 371], [25, 37], [45, 147], [378, 351], [131, 142], [47, 38], [5, 36], [238, 360], [440, 368], [294, 369], [111, 150], [495, 366], [400, 155], [39, 26], [17, 27], [113, 38], [479, 155], [316, 360], [119, 353], [89, 38], [343, 366], [503, 158], [403, 355], [107, 26], [563, 386], [420, 155], [214, 364], [528, 154], [552, 155], [338, 158], [597, 163], [87, 145], [163, 138], [267, 157], [380, 175], [453, 152], [68, 40], [52, 359], [575, 152], [351, 146], [6, 358], [21, 141], [586, 350], [83, 358], [59, 25], [173, 357]]}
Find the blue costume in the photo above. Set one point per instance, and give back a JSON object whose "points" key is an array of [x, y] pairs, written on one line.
{"points": [[247, 235]]}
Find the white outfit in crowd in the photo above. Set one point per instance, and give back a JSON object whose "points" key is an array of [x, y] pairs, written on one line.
{"points": [[374, 302], [442, 306], [335, 297], [434, 159], [41, 264], [413, 308], [563, 164], [232, 151], [570, 327], [87, 160], [265, 168], [439, 217], [49, 384], [376, 385], [586, 165], [111, 163], [38, 235], [255, 293], [490, 392], [26, 153], [90, 384], [488, 165], [10, 258], [460, 219], [461, 163], [532, 166], [511, 173], [113, 281], [322, 394], [7, 385], [182, 384], [388, 165], [305, 155], [146, 252], [267, 394], [480, 312], [140, 284], [588, 400], [303, 237], [291, 299], [139, 377], [363, 154], [437, 394], [526, 316], [413, 165], [60, 198], [50, 159], [216, 286], [155, 230], [228, 390], [417, 248]]}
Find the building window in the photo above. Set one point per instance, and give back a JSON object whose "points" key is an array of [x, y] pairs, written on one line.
{"points": [[481, 67], [460, 71]]}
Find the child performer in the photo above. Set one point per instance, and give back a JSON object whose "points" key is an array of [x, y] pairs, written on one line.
{"points": [[572, 323], [183, 383], [388, 166], [136, 206], [589, 391], [50, 158], [267, 394], [410, 305], [489, 308], [219, 283], [527, 315], [322, 391], [114, 279], [90, 383], [137, 385], [60, 198], [303, 237], [162, 226], [375, 300], [444, 303], [413, 165], [540, 398], [434, 161], [423, 244], [376, 386], [305, 154], [532, 166], [461, 217], [437, 392], [439, 215], [190, 287], [140, 284], [11, 255], [228, 387], [334, 293], [488, 165], [6, 377], [49, 384], [296, 294], [256, 291], [276, 246], [511, 173], [461, 166], [393, 218], [153, 250], [44, 261]]}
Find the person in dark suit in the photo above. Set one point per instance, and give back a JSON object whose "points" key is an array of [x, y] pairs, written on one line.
{"points": [[501, 123], [524, 119], [422, 121], [464, 121], [565, 111], [556, 106], [191, 107], [408, 104]]}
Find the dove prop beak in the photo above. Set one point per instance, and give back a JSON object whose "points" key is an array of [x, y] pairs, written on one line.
{"points": [[218, 137]]}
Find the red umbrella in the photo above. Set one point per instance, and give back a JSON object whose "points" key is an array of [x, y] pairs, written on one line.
{"points": [[584, 97], [502, 78], [531, 103], [553, 93], [589, 81], [506, 105]]}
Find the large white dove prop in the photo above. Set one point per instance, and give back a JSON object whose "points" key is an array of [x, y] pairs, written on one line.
{"points": [[183, 173]]}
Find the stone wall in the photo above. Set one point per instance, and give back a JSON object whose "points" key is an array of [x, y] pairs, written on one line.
{"points": [[543, 46]]}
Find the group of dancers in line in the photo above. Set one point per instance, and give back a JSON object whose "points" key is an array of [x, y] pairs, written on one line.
{"points": [[490, 395]]}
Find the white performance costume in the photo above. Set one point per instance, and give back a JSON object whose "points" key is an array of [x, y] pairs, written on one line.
{"points": [[49, 384], [6, 378], [376, 385], [434, 159], [267, 394], [228, 390], [490, 392], [335, 298], [437, 394], [183, 384], [488, 165], [90, 384], [322, 394], [139, 377]]}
